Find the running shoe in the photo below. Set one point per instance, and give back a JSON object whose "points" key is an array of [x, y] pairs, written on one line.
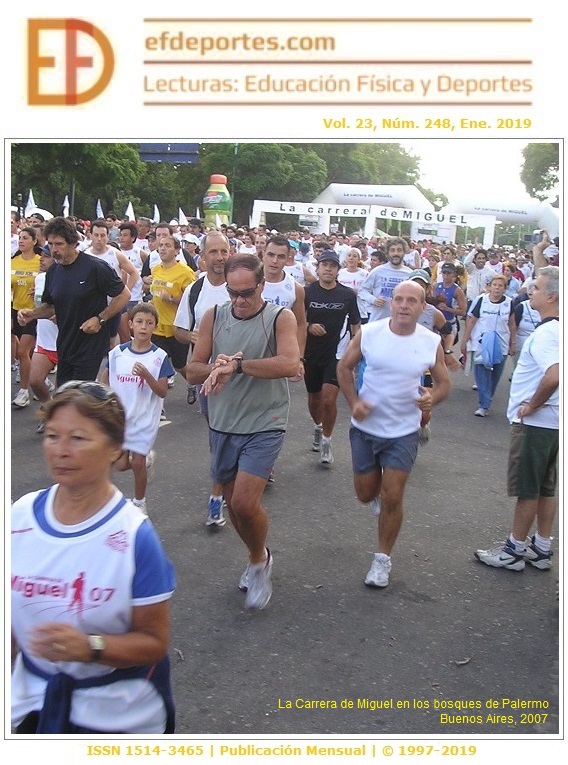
{"points": [[151, 465], [271, 476], [375, 507], [163, 417], [40, 428], [316, 443], [141, 505], [537, 558], [481, 412], [378, 574], [22, 399], [503, 555], [191, 394], [259, 583], [244, 580], [17, 376], [326, 457], [171, 381], [215, 516]]}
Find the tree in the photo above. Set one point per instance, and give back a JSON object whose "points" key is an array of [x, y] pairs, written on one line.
{"points": [[539, 173]]}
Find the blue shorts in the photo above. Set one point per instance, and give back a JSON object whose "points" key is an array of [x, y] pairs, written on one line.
{"points": [[371, 452], [255, 454]]}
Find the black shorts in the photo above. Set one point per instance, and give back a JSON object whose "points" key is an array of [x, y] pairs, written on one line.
{"points": [[176, 351], [317, 375], [29, 329]]}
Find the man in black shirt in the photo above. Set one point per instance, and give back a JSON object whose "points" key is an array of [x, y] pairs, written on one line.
{"points": [[327, 306], [77, 288]]}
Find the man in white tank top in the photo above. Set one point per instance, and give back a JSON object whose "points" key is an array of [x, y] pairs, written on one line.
{"points": [[387, 408], [281, 289]]}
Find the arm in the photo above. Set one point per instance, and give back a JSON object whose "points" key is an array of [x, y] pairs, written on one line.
{"points": [[366, 291], [93, 325], [539, 260], [43, 311], [544, 391], [145, 643], [470, 323], [309, 276], [513, 333], [299, 311], [159, 386], [129, 269], [346, 378], [442, 385], [199, 368]]}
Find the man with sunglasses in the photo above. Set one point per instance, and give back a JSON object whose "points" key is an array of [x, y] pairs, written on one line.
{"points": [[245, 351]]}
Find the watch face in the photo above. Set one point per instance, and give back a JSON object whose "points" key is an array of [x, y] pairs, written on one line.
{"points": [[96, 643]]}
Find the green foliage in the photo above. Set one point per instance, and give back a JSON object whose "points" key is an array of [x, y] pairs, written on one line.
{"points": [[113, 173], [539, 173]]}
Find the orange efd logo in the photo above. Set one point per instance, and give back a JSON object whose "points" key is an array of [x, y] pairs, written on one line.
{"points": [[63, 77]]}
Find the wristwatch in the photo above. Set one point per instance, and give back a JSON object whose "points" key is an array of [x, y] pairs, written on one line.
{"points": [[239, 369], [97, 644], [101, 320]]}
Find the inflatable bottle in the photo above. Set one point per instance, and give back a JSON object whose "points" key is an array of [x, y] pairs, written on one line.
{"points": [[217, 202]]}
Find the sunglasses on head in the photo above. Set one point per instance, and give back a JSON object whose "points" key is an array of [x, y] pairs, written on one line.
{"points": [[234, 294], [91, 388]]}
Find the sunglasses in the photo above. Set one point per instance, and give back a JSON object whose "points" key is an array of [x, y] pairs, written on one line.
{"points": [[95, 389], [245, 294]]}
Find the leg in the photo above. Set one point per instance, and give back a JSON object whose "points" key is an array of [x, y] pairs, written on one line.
{"points": [[40, 367], [390, 519], [315, 407], [123, 462], [243, 497], [138, 464], [498, 370], [368, 485], [483, 382], [328, 408], [25, 350]]}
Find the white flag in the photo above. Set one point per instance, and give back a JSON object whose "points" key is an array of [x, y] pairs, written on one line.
{"points": [[65, 206], [250, 222], [218, 221], [156, 217], [129, 212], [182, 220], [99, 211], [30, 204], [197, 213]]}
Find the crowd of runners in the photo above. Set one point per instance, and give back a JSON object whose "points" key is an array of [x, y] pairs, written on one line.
{"points": [[236, 314]]}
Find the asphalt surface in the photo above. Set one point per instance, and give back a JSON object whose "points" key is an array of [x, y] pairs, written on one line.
{"points": [[447, 629]]}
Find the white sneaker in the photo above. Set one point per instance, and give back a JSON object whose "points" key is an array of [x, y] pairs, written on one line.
{"points": [[259, 583], [326, 457], [316, 443], [50, 385], [244, 580], [378, 574], [22, 399], [171, 381], [141, 505], [151, 466], [481, 412], [375, 507]]}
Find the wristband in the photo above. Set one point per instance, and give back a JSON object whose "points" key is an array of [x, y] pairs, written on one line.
{"points": [[239, 369]]}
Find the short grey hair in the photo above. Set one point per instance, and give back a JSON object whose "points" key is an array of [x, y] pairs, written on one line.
{"points": [[552, 274]]}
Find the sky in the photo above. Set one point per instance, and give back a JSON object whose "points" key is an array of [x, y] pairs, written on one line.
{"points": [[486, 170]]}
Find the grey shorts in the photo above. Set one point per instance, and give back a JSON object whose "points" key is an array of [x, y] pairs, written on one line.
{"points": [[371, 452], [533, 455], [255, 454]]}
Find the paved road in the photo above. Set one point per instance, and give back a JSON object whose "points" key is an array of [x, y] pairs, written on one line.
{"points": [[447, 629]]}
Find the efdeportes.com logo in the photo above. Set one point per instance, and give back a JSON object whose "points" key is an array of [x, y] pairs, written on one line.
{"points": [[70, 62]]}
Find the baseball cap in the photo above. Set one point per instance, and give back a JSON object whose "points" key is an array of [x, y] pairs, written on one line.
{"points": [[449, 268], [420, 275], [304, 247], [329, 255], [191, 238], [194, 222]]}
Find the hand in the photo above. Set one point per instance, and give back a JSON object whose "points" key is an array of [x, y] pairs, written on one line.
{"points": [[424, 401], [299, 374], [56, 641], [141, 371], [524, 410], [24, 316], [452, 363], [222, 371], [193, 335], [360, 410], [318, 330], [91, 326], [380, 301], [165, 296]]}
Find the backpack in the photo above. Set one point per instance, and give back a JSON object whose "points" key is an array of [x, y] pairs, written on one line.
{"points": [[194, 292]]}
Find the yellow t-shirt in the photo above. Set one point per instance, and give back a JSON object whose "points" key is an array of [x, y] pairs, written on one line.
{"points": [[23, 277], [173, 280]]}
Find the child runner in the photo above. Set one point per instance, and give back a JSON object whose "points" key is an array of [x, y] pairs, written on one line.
{"points": [[138, 371]]}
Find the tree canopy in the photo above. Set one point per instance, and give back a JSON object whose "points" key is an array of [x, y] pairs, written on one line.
{"points": [[539, 173], [114, 173]]}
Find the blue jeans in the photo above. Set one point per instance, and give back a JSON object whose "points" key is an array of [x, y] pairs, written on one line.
{"points": [[487, 381]]}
